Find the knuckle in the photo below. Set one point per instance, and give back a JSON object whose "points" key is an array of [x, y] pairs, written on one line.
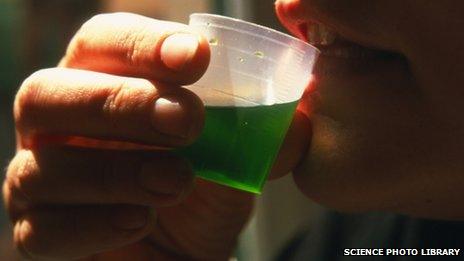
{"points": [[29, 240], [10, 202], [98, 19], [136, 51], [126, 101], [95, 20], [22, 176], [25, 104], [116, 100], [78, 43], [138, 41], [76, 46], [22, 234]]}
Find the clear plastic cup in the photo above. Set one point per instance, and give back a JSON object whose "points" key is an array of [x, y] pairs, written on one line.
{"points": [[250, 91]]}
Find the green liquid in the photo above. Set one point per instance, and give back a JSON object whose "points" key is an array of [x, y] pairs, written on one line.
{"points": [[239, 144]]}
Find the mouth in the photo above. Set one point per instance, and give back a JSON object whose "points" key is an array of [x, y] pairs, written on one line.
{"points": [[332, 44]]}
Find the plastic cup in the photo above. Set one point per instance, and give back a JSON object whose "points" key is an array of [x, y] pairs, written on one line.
{"points": [[250, 91]]}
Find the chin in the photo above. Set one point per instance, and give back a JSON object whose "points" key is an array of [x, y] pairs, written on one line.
{"points": [[367, 141]]}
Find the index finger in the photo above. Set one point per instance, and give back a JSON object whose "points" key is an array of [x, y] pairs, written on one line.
{"points": [[77, 103], [137, 46]]}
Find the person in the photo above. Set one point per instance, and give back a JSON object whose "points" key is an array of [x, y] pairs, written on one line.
{"points": [[380, 130]]}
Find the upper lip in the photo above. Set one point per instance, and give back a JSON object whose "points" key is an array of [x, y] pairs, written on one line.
{"points": [[293, 16], [328, 39], [332, 44]]}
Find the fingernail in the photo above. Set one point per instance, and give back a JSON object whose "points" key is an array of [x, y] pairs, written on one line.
{"points": [[178, 50], [130, 218], [170, 118]]}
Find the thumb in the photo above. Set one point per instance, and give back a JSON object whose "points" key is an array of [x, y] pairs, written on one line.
{"points": [[137, 46]]}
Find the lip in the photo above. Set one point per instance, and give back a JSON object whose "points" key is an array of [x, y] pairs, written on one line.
{"points": [[341, 48], [348, 50], [297, 16]]}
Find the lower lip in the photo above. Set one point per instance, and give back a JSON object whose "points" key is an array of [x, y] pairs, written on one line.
{"points": [[346, 59], [349, 50]]}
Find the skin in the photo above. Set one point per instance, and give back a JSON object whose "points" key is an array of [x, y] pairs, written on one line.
{"points": [[387, 134], [375, 134]]}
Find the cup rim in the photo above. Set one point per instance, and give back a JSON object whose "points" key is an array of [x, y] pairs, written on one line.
{"points": [[260, 27]]}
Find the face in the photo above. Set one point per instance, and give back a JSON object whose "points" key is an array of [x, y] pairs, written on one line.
{"points": [[386, 107]]}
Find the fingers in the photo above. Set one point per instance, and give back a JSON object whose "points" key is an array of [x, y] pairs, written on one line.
{"points": [[71, 233], [54, 176], [81, 103], [137, 46]]}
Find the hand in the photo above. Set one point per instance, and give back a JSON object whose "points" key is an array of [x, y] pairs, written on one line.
{"points": [[92, 177], [74, 190]]}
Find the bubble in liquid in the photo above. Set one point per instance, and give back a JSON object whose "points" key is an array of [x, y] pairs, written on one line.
{"points": [[213, 41], [259, 54], [240, 59]]}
